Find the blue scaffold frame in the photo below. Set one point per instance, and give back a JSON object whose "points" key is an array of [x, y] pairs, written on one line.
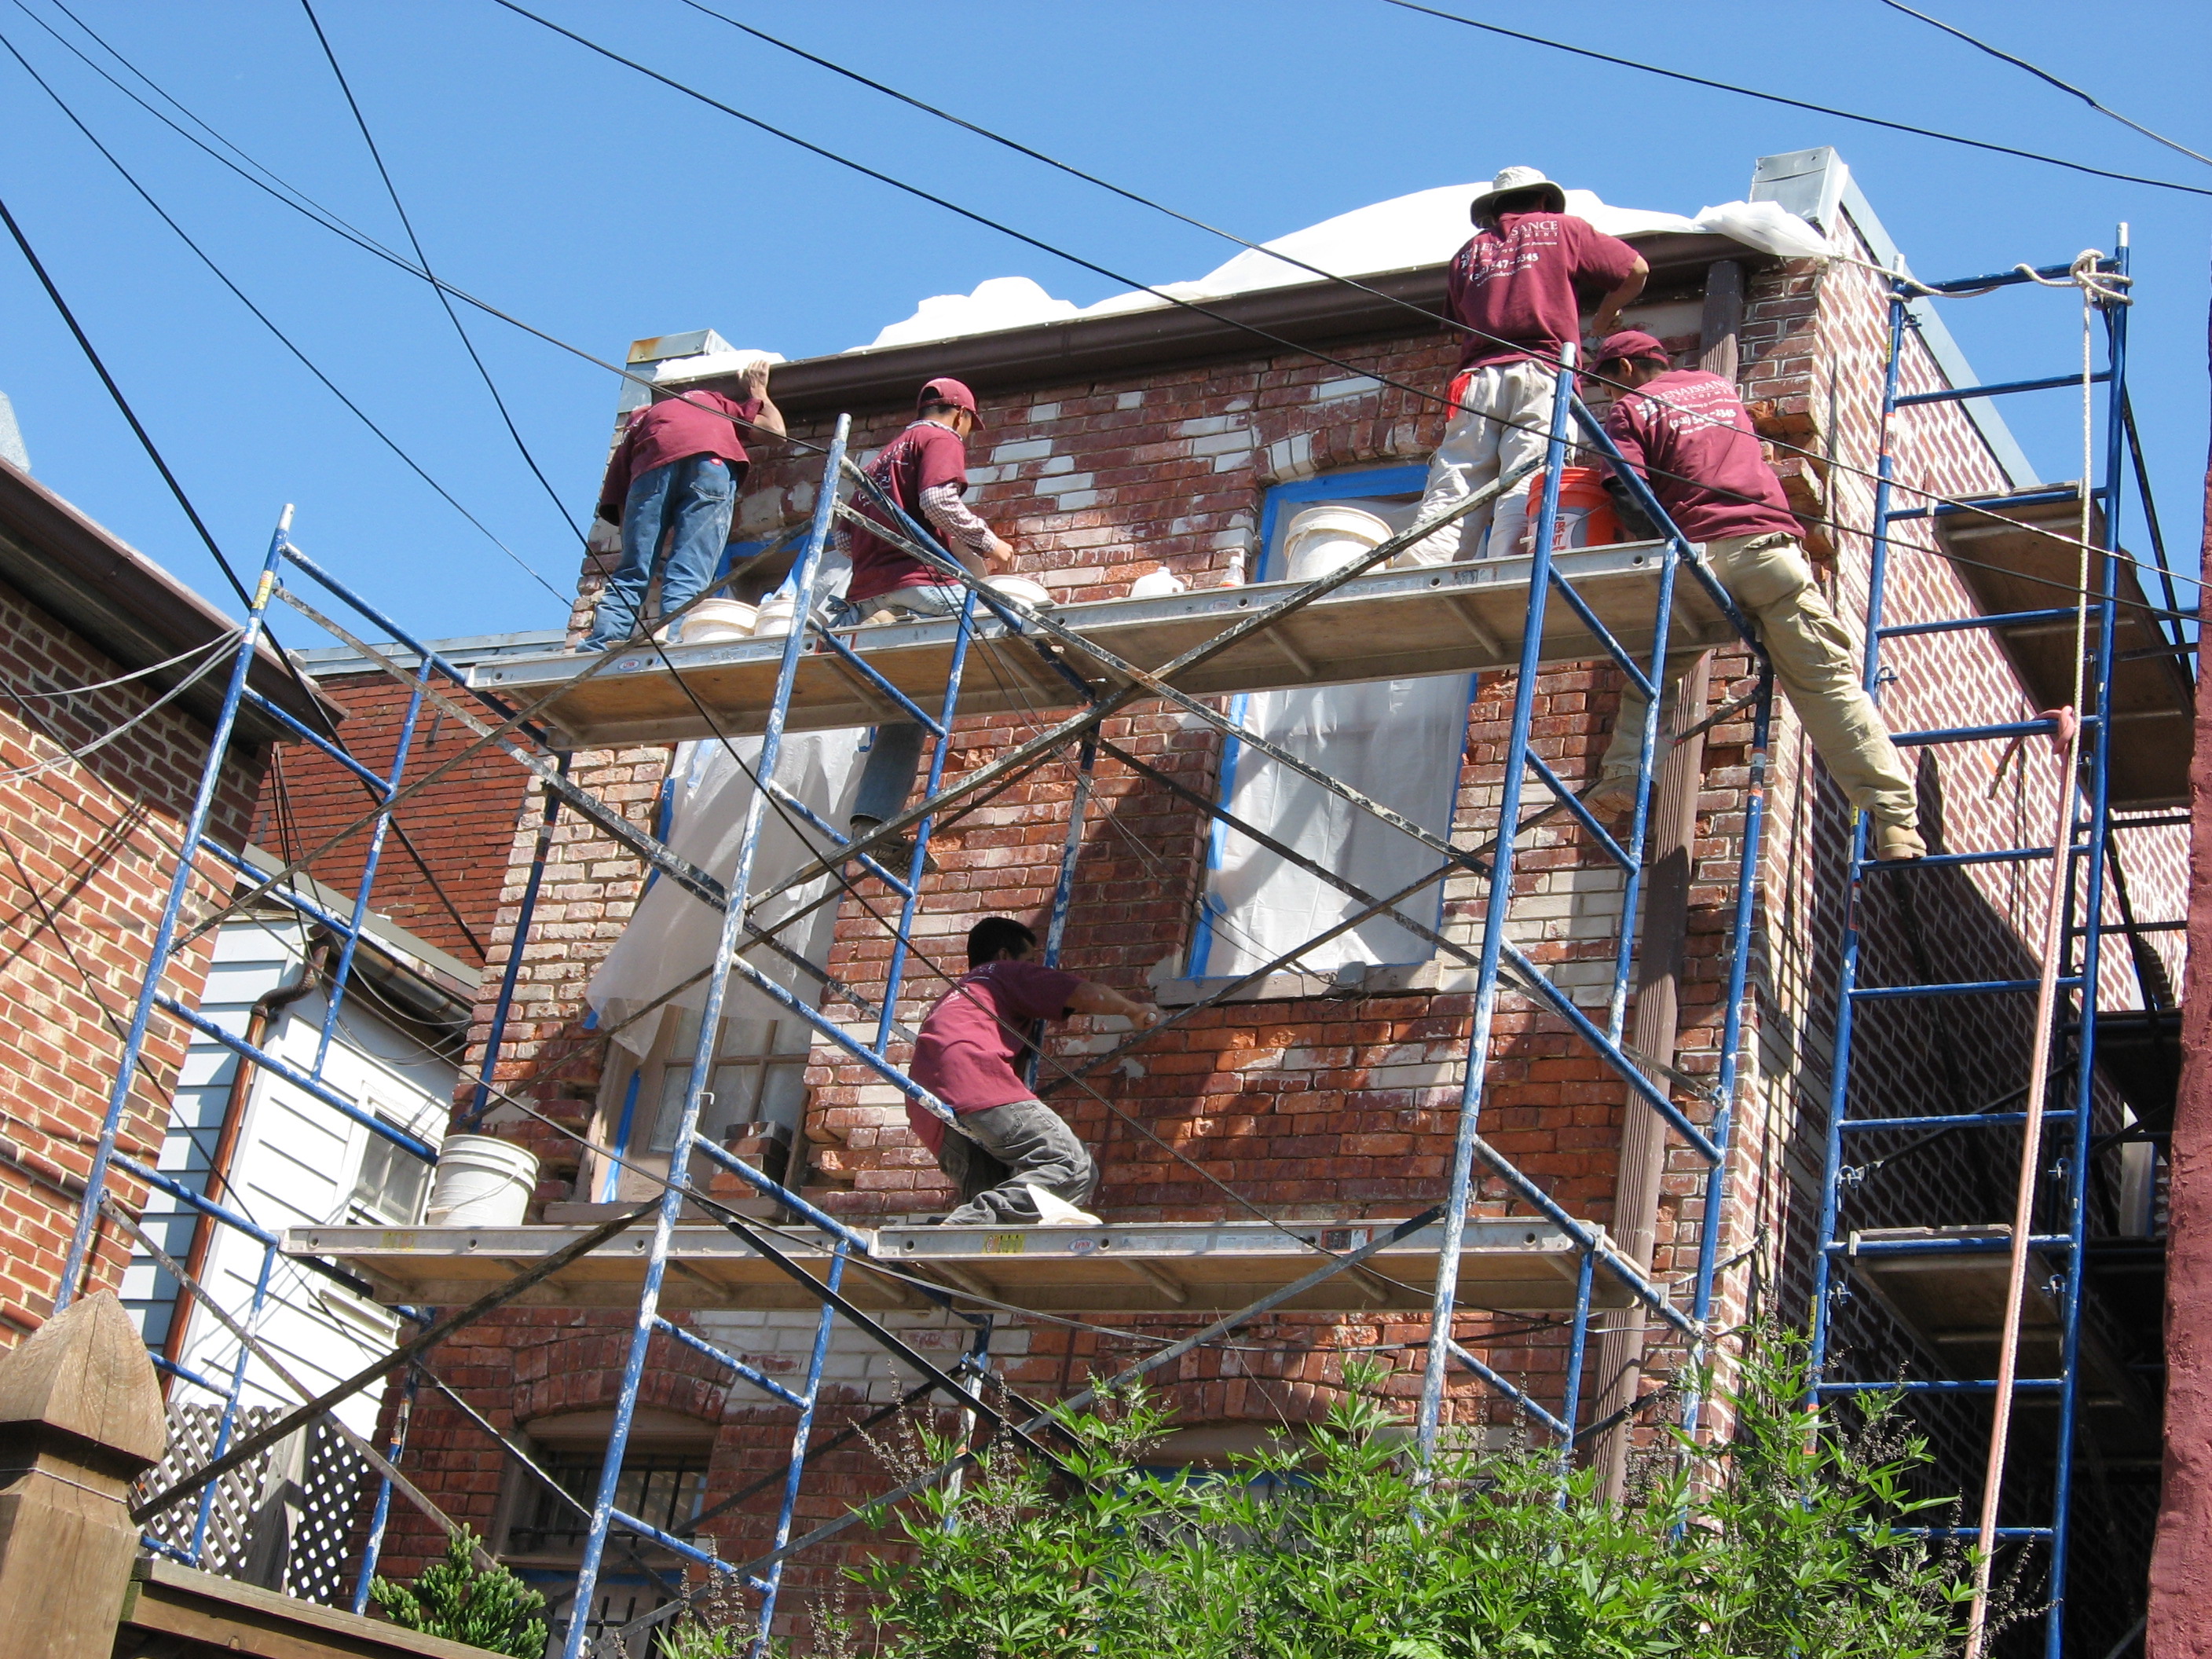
{"points": [[2069, 1117], [1499, 964]]}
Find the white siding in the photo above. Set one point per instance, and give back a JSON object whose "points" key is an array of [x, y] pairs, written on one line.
{"points": [[295, 1164]]}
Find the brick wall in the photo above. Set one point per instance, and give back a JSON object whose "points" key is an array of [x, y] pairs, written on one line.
{"points": [[1344, 1106], [440, 877], [86, 859]]}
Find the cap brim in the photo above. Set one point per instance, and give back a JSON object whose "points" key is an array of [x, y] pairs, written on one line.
{"points": [[1482, 204]]}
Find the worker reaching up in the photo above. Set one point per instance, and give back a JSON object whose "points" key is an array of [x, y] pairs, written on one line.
{"points": [[925, 471], [1010, 1145], [1514, 285], [1688, 434], [675, 473]]}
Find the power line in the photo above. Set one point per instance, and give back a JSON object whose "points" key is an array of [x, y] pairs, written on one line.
{"points": [[1107, 185], [1799, 103], [423, 260], [2045, 76], [332, 222], [1421, 392], [263, 318]]}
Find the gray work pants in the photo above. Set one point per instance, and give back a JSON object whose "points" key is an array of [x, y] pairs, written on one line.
{"points": [[997, 1154]]}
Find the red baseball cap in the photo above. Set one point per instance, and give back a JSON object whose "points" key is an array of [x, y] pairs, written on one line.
{"points": [[1629, 342], [947, 390]]}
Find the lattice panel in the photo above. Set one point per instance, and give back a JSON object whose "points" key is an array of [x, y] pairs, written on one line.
{"points": [[229, 1536], [315, 1569]]}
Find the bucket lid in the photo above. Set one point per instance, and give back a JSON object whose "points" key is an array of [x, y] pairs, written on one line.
{"points": [[1341, 518]]}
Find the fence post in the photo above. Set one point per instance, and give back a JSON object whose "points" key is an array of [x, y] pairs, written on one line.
{"points": [[80, 1419]]}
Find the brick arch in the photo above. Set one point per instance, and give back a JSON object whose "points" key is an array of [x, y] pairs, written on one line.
{"points": [[1297, 452], [584, 1373]]}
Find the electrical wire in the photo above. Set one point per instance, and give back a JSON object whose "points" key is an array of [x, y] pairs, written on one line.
{"points": [[282, 339], [422, 259], [1799, 103], [2045, 76], [78, 754], [331, 222], [1420, 393]]}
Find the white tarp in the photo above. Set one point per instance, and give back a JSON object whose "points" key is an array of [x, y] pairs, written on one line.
{"points": [[1398, 743], [672, 935], [1424, 228]]}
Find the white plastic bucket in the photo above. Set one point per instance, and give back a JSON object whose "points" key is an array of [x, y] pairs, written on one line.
{"points": [[1155, 584], [775, 615], [482, 1181], [1324, 540], [717, 622]]}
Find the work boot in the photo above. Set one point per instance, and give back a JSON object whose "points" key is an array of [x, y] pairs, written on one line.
{"points": [[1896, 843]]}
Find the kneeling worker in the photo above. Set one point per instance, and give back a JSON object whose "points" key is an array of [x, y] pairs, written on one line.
{"points": [[1010, 1145], [1687, 433]]}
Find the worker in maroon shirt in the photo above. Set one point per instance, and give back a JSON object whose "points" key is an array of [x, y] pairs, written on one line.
{"points": [[925, 471], [1688, 435], [1514, 287], [1010, 1145], [674, 479]]}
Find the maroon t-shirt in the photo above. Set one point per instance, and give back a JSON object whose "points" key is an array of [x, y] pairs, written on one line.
{"points": [[1516, 283], [670, 429], [1689, 425], [964, 1053], [920, 457]]}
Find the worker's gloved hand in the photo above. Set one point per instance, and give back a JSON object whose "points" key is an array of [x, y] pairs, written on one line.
{"points": [[610, 511]]}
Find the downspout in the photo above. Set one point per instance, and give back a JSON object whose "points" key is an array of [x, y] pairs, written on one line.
{"points": [[258, 1020], [1654, 1027]]}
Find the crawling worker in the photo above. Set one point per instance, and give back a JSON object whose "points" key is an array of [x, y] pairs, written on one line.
{"points": [[1010, 1146]]}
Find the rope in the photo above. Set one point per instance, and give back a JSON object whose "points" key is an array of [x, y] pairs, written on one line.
{"points": [[2096, 288]]}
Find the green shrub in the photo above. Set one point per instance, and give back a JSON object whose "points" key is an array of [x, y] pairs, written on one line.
{"points": [[491, 1609], [1781, 1543]]}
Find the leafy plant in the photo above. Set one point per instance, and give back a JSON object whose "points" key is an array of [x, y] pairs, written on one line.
{"points": [[1786, 1541], [490, 1608]]}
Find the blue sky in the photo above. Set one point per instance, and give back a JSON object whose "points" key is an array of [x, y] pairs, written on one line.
{"points": [[602, 207]]}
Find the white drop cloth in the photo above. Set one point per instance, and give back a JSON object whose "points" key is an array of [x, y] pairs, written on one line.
{"points": [[1398, 743], [672, 935]]}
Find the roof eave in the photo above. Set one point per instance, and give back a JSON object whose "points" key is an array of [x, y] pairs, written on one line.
{"points": [[1081, 349], [130, 608]]}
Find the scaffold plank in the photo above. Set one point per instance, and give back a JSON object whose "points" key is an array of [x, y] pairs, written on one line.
{"points": [[1391, 624], [2020, 557], [1136, 1268]]}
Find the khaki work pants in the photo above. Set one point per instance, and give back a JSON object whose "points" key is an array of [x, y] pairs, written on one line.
{"points": [[1504, 418], [1815, 664]]}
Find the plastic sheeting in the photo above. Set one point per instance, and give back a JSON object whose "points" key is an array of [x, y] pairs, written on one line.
{"points": [[1424, 228], [672, 935], [1397, 742]]}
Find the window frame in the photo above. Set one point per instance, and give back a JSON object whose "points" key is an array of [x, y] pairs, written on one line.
{"points": [[1365, 484]]}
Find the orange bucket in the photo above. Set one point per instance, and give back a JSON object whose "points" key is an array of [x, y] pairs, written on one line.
{"points": [[1586, 515]]}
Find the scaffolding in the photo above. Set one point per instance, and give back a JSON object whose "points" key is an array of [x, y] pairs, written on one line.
{"points": [[1981, 1300], [1632, 605]]}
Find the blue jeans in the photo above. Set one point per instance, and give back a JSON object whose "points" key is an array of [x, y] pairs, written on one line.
{"points": [[693, 500], [888, 778]]}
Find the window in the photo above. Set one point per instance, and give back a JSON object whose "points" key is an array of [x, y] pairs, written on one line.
{"points": [[760, 1075], [664, 1489], [391, 1183], [1397, 742], [541, 1533]]}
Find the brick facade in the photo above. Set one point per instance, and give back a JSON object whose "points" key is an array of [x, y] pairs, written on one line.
{"points": [[1344, 1106], [87, 851], [434, 877]]}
